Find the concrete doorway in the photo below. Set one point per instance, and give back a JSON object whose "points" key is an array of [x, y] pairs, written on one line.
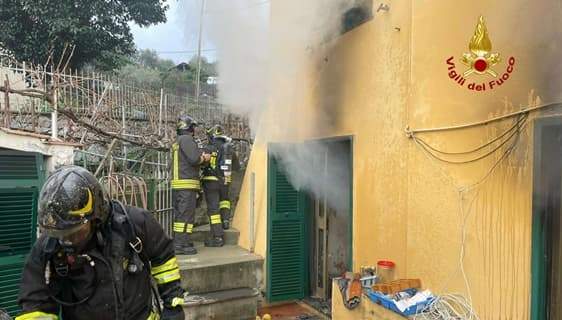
{"points": [[309, 219], [330, 220]]}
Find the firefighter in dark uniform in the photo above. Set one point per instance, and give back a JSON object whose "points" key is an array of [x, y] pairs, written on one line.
{"points": [[96, 259], [215, 177], [225, 162], [186, 161]]}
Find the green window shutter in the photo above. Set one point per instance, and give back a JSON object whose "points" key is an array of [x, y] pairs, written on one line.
{"points": [[18, 167], [286, 258], [10, 277], [21, 177], [21, 169], [18, 207]]}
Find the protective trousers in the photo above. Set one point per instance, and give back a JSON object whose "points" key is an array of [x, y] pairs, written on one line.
{"points": [[184, 202], [224, 204], [212, 196]]}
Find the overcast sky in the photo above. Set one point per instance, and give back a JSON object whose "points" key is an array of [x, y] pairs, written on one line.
{"points": [[180, 32], [174, 35]]}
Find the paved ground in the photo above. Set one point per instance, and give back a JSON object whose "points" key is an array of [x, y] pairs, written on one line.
{"points": [[291, 311]]}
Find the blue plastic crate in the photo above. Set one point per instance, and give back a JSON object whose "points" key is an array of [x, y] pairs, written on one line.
{"points": [[388, 303]]}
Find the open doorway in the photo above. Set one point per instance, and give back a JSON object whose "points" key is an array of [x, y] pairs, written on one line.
{"points": [[546, 298], [330, 220], [309, 219]]}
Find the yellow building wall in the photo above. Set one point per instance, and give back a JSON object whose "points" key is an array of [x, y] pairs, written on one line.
{"points": [[389, 74]]}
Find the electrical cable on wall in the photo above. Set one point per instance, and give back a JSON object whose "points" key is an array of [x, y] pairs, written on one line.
{"points": [[464, 216], [411, 132], [520, 119], [455, 306], [514, 130]]}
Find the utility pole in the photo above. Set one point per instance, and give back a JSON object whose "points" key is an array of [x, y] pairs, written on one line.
{"points": [[198, 79]]}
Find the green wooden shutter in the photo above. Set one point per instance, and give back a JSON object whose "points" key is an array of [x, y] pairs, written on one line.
{"points": [[539, 268], [21, 169], [286, 256], [21, 177], [10, 277], [17, 220], [18, 167]]}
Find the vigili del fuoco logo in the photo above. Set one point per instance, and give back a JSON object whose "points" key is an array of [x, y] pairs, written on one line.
{"points": [[481, 63]]}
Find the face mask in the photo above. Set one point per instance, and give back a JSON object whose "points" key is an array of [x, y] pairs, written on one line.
{"points": [[75, 238]]}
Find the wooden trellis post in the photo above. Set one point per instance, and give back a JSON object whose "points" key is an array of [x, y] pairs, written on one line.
{"points": [[7, 116]]}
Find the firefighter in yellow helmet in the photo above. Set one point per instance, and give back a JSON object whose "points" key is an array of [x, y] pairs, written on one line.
{"points": [[217, 174], [186, 161], [95, 258], [211, 188], [226, 158]]}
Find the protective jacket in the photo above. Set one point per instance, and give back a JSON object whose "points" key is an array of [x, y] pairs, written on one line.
{"points": [[111, 280], [186, 161], [220, 165]]}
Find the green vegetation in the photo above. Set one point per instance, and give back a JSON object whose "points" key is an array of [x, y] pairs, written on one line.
{"points": [[99, 29], [148, 69]]}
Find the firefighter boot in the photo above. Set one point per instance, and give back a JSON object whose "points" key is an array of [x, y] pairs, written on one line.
{"points": [[214, 242], [225, 217], [182, 245], [226, 224]]}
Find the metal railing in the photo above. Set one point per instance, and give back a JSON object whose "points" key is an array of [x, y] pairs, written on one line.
{"points": [[148, 188], [96, 110]]}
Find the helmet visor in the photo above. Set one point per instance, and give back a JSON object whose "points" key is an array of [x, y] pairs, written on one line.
{"points": [[74, 236]]}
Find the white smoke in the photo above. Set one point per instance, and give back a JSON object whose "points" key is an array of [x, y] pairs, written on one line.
{"points": [[239, 31], [264, 59], [319, 168]]}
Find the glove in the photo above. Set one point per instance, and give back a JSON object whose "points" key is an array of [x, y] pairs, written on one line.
{"points": [[172, 313]]}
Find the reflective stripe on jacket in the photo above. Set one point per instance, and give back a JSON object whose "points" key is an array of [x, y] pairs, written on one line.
{"points": [[186, 161], [113, 291]]}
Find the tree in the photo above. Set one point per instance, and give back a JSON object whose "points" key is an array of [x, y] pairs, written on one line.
{"points": [[147, 68], [99, 29], [148, 78], [208, 69], [150, 59]]}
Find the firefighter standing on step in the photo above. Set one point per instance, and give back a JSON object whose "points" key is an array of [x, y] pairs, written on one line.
{"points": [[213, 179], [186, 161], [95, 258], [223, 162]]}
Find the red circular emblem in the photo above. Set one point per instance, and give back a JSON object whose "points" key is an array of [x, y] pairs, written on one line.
{"points": [[480, 65]]}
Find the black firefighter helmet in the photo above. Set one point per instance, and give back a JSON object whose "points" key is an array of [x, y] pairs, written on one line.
{"points": [[215, 130], [70, 198], [186, 124], [216, 133]]}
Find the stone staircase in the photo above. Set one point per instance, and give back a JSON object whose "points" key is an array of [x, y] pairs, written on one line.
{"points": [[223, 282]]}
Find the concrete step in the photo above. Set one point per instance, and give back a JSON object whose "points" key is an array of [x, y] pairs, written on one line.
{"points": [[216, 269], [233, 304], [203, 232]]}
